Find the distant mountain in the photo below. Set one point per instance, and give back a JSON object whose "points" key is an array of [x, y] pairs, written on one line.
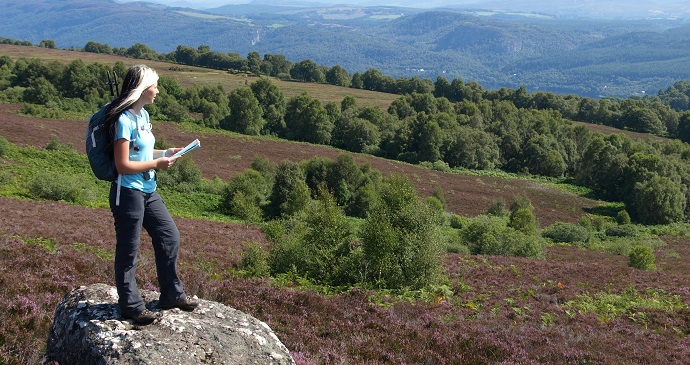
{"points": [[602, 9], [496, 49]]}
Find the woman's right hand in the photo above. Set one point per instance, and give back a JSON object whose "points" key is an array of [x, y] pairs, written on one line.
{"points": [[165, 162]]}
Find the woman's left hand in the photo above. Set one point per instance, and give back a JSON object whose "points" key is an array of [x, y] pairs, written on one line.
{"points": [[171, 151]]}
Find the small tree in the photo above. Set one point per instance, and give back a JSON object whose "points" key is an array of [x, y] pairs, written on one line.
{"points": [[327, 239], [401, 240], [622, 217], [243, 197], [245, 113], [659, 200], [523, 220], [290, 193], [642, 257], [498, 208], [307, 120]]}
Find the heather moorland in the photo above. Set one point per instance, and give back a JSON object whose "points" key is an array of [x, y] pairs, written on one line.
{"points": [[583, 300], [573, 306]]}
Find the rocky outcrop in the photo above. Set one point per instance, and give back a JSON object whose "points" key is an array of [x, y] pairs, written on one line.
{"points": [[88, 329]]}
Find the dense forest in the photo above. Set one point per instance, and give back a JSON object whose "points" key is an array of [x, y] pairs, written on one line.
{"points": [[443, 124]]}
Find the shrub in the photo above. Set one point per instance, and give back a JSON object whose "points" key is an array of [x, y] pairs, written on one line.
{"points": [[255, 261], [7, 178], [55, 145], [243, 196], [520, 202], [566, 232], [488, 235], [215, 186], [642, 257], [290, 193], [457, 221], [183, 176], [498, 208], [51, 186], [4, 146], [362, 201], [326, 239], [523, 220], [622, 231], [401, 239], [622, 217]]}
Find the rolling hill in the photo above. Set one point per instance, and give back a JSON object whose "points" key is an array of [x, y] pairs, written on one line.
{"points": [[585, 56]]}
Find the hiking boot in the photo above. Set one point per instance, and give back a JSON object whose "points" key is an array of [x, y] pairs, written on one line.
{"points": [[186, 304], [143, 317]]}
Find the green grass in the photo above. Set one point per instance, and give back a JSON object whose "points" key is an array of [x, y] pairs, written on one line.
{"points": [[630, 303], [28, 163]]}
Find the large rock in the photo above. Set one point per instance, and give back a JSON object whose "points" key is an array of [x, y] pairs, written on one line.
{"points": [[88, 329]]}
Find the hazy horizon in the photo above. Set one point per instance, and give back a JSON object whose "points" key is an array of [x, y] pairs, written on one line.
{"points": [[666, 9]]}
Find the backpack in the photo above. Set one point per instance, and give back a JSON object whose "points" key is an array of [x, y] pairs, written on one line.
{"points": [[98, 148]]}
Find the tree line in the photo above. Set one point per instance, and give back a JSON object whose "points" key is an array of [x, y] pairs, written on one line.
{"points": [[449, 126]]}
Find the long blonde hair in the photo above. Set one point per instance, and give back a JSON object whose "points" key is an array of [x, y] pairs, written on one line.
{"points": [[137, 79]]}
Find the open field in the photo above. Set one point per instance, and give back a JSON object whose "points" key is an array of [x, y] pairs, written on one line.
{"points": [[190, 75]]}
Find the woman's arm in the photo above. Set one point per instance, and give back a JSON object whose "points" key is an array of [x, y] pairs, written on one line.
{"points": [[125, 166]]}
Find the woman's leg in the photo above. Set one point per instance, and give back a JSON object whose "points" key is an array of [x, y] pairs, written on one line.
{"points": [[128, 216], [166, 243]]}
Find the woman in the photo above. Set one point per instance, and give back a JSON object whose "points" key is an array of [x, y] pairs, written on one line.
{"points": [[135, 203]]}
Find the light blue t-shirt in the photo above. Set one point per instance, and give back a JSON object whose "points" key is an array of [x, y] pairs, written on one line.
{"points": [[137, 130]]}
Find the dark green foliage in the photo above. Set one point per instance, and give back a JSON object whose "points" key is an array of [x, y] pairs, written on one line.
{"points": [[362, 201], [338, 76], [290, 193], [327, 240], [642, 257], [355, 134], [471, 148], [255, 261], [307, 70], [245, 195], [660, 200], [95, 47], [623, 217], [316, 172], [316, 245], [498, 208], [245, 113], [566, 232], [41, 91], [488, 235], [603, 165], [456, 221], [523, 220], [485, 129], [184, 176], [306, 120], [272, 104], [56, 145], [401, 242], [622, 231], [58, 187], [5, 146]]}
